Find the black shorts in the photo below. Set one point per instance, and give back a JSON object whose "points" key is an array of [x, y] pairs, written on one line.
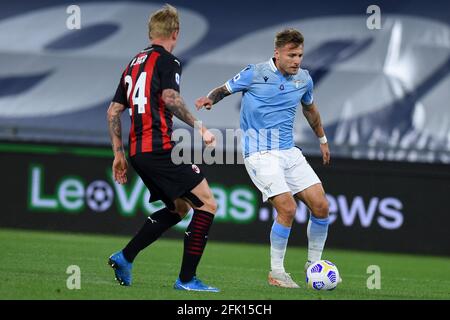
{"points": [[165, 180]]}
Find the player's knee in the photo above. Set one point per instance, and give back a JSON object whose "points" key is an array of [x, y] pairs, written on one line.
{"points": [[288, 209], [210, 205], [321, 209]]}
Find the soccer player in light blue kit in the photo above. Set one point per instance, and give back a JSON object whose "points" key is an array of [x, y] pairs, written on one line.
{"points": [[272, 92]]}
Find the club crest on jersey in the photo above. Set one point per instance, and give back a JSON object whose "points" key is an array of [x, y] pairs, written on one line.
{"points": [[297, 83], [195, 168]]}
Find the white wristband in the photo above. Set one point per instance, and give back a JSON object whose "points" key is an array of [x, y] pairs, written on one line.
{"points": [[323, 140]]}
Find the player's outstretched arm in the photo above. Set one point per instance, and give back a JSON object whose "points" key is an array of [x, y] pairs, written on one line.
{"points": [[212, 97], [312, 114], [120, 165], [175, 103]]}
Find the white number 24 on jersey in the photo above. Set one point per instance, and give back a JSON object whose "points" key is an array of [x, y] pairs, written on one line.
{"points": [[139, 97]]}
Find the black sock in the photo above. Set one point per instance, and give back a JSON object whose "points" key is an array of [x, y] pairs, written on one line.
{"points": [[195, 239], [152, 229]]}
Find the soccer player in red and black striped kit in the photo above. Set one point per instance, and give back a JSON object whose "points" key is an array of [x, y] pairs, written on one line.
{"points": [[149, 89]]}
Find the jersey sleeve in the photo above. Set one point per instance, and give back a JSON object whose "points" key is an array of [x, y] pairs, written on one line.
{"points": [[121, 93], [170, 72], [242, 80], [308, 98]]}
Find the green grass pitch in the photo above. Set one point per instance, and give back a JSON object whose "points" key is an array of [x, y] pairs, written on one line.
{"points": [[33, 266]]}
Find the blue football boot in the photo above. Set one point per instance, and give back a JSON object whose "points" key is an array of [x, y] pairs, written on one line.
{"points": [[122, 268], [194, 285]]}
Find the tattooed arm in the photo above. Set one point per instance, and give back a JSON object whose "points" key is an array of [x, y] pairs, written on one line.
{"points": [[218, 94], [120, 165], [175, 103], [312, 114], [115, 126], [212, 97]]}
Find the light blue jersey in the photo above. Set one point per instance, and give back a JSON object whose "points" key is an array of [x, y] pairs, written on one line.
{"points": [[269, 104]]}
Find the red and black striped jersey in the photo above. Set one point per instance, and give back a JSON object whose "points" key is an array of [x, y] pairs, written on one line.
{"points": [[150, 72]]}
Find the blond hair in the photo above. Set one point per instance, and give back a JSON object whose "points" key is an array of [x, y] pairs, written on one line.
{"points": [[288, 36], [163, 23]]}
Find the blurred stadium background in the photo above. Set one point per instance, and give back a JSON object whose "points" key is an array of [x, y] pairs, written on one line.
{"points": [[383, 95]]}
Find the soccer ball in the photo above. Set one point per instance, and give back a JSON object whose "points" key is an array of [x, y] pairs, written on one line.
{"points": [[322, 275]]}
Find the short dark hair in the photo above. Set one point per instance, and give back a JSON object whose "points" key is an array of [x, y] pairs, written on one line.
{"points": [[288, 36]]}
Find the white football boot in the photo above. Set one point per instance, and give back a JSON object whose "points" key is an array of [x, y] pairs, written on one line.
{"points": [[281, 279]]}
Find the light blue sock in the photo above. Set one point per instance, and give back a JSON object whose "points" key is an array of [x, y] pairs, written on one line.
{"points": [[317, 235], [279, 236]]}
